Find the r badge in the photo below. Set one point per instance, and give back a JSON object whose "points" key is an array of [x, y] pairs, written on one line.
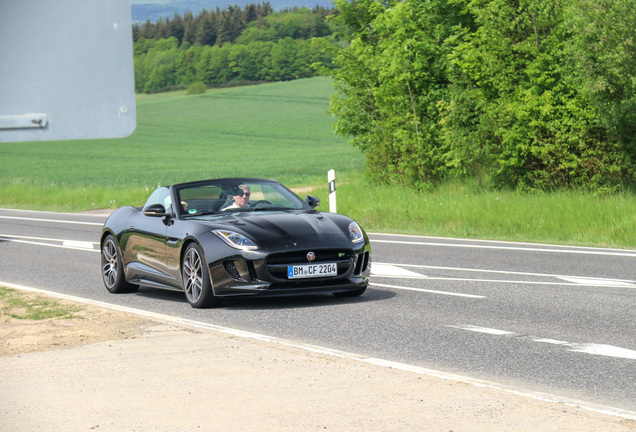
{"points": [[311, 256]]}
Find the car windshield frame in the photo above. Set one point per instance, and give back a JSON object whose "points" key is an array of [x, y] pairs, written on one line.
{"points": [[216, 197]]}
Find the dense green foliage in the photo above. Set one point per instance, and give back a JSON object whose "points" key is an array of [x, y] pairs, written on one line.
{"points": [[528, 94], [231, 46]]}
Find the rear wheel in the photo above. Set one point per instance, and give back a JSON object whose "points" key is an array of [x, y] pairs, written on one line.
{"points": [[196, 279], [113, 270]]}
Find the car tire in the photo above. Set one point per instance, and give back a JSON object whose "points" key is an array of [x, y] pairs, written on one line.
{"points": [[197, 285], [113, 270]]}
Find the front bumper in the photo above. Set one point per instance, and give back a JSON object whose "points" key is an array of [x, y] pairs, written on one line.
{"points": [[238, 276]]}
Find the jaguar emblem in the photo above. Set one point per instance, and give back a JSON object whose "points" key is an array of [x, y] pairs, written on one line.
{"points": [[311, 256]]}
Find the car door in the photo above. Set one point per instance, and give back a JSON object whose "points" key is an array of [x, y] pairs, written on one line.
{"points": [[147, 240]]}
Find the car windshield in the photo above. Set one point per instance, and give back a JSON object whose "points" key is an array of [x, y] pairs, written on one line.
{"points": [[235, 196]]}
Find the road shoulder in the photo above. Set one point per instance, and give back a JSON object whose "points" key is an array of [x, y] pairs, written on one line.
{"points": [[145, 374]]}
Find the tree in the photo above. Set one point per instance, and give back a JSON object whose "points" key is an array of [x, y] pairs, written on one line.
{"points": [[390, 80], [165, 63], [603, 48], [207, 28], [529, 94], [526, 121], [176, 28]]}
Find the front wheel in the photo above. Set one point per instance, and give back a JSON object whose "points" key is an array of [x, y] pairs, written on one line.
{"points": [[196, 279], [113, 270]]}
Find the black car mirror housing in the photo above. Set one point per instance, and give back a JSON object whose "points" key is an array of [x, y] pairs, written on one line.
{"points": [[155, 210], [312, 201]]}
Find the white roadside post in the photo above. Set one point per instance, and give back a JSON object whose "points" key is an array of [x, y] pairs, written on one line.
{"points": [[331, 178]]}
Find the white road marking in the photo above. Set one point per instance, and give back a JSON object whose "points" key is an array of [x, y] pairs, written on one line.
{"points": [[76, 244], [390, 270], [507, 246], [58, 243], [604, 409], [604, 350], [104, 212], [448, 293], [383, 270], [550, 341], [507, 242], [53, 220], [597, 282], [486, 330], [11, 236], [586, 348], [473, 270], [569, 280]]}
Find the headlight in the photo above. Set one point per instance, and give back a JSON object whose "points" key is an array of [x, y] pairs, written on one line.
{"points": [[236, 240], [356, 232]]}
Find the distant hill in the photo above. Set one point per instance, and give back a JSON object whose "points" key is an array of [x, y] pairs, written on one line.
{"points": [[152, 10]]}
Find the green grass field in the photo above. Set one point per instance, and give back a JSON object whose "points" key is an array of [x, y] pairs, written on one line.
{"points": [[283, 131], [280, 131]]}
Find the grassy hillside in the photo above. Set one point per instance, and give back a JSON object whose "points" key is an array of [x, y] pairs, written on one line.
{"points": [[283, 131], [279, 130]]}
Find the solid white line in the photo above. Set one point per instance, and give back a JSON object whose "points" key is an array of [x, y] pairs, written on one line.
{"points": [[574, 280], [519, 282], [105, 213], [426, 290], [62, 246], [52, 220], [603, 409], [11, 236], [501, 242], [598, 282], [524, 249]]}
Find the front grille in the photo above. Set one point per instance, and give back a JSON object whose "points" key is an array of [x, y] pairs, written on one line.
{"points": [[300, 257], [277, 263]]}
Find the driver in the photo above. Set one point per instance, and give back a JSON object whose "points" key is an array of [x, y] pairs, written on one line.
{"points": [[241, 197]]}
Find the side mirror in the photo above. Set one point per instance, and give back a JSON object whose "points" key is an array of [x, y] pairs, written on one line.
{"points": [[155, 210], [312, 201]]}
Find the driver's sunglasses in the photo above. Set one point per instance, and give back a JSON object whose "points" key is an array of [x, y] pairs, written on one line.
{"points": [[241, 192]]}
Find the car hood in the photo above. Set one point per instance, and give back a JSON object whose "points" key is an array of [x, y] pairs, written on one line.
{"points": [[290, 229]]}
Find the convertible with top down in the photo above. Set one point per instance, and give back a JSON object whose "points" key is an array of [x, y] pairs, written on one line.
{"points": [[233, 237]]}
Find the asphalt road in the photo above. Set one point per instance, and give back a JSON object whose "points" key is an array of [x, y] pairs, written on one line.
{"points": [[538, 319]]}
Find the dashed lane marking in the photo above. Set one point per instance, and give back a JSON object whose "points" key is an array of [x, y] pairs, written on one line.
{"points": [[586, 348]]}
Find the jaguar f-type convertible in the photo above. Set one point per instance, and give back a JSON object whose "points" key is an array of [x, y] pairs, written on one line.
{"points": [[233, 237]]}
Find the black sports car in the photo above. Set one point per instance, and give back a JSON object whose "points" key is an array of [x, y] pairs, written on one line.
{"points": [[233, 237]]}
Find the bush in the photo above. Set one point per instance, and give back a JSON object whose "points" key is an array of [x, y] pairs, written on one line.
{"points": [[196, 88]]}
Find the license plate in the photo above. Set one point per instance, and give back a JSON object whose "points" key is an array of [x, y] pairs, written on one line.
{"points": [[312, 270]]}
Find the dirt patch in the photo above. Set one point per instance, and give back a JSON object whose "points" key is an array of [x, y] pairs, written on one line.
{"points": [[85, 324]]}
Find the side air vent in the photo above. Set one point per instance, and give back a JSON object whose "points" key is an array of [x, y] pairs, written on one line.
{"points": [[362, 263], [231, 269], [240, 270]]}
